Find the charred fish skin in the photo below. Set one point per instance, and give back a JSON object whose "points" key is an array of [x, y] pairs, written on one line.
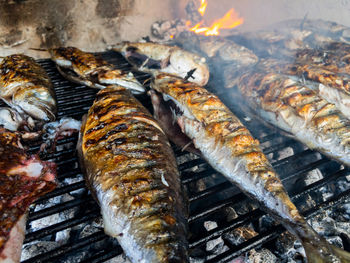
{"points": [[23, 179], [87, 69], [229, 147], [25, 85], [300, 111], [156, 58], [131, 170]]}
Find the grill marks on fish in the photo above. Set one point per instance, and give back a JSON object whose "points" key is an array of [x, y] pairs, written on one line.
{"points": [[231, 140], [300, 111], [24, 85], [229, 147], [87, 69], [127, 160]]}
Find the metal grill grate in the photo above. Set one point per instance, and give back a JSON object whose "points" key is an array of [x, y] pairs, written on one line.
{"points": [[209, 193]]}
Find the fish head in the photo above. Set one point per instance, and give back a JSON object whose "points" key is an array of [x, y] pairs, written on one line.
{"points": [[122, 78], [61, 55], [121, 47], [37, 101]]}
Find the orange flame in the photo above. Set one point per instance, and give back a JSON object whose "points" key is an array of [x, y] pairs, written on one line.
{"points": [[202, 8], [230, 20]]}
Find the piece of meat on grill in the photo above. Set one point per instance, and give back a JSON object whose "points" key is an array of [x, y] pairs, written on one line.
{"points": [[23, 179], [26, 88], [87, 69], [230, 149], [131, 171], [156, 58]]}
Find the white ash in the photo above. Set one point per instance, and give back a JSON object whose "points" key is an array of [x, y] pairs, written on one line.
{"points": [[210, 225], [313, 176], [118, 259], [261, 256], [323, 225], [54, 218], [286, 152], [88, 230], [35, 248], [197, 260], [62, 236], [335, 240], [216, 247], [72, 180]]}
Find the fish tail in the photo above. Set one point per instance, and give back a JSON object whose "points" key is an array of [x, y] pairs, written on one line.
{"points": [[323, 252]]}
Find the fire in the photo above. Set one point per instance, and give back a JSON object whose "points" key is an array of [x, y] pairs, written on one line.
{"points": [[230, 20], [202, 8]]}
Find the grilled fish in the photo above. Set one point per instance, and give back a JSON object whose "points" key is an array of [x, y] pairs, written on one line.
{"points": [[229, 148], [87, 69], [25, 86], [155, 58], [23, 179], [300, 111], [331, 86], [131, 171]]}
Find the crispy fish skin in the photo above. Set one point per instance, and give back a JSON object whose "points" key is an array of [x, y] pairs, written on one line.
{"points": [[87, 69], [156, 58], [23, 179], [24, 85], [300, 111], [132, 172], [229, 147]]}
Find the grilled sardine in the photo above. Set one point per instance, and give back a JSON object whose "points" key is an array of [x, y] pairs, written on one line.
{"points": [[229, 148], [132, 173], [156, 58], [23, 179], [300, 111], [25, 86], [87, 69]]}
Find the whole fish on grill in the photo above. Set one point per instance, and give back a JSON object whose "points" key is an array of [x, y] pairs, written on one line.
{"points": [[87, 69], [299, 110], [23, 179], [26, 88], [155, 58], [229, 148], [131, 171]]}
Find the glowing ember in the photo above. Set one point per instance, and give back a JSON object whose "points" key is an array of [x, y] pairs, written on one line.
{"points": [[230, 20], [203, 6]]}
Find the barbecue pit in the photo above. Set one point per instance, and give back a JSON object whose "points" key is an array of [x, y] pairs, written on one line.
{"points": [[225, 226]]}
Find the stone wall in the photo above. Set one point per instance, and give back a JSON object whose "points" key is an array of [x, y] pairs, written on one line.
{"points": [[88, 24]]}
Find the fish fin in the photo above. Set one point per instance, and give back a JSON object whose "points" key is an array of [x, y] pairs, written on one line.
{"points": [[323, 252]]}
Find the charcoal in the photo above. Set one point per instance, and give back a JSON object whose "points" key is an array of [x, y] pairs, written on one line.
{"points": [[261, 256], [216, 246], [240, 234], [210, 225], [37, 247]]}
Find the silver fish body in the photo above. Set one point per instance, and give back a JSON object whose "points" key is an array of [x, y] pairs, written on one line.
{"points": [[131, 170], [25, 86], [156, 58], [230, 149], [87, 69]]}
